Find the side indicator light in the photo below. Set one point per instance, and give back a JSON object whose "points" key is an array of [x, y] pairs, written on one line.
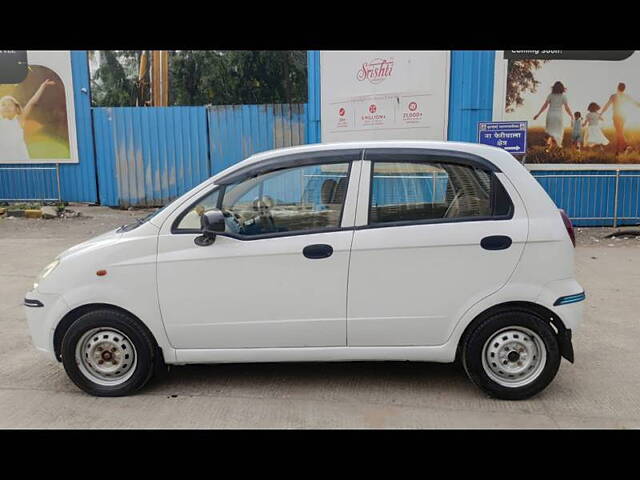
{"points": [[28, 302], [101, 273], [578, 297]]}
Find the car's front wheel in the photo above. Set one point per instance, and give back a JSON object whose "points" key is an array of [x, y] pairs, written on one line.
{"points": [[107, 353], [511, 355]]}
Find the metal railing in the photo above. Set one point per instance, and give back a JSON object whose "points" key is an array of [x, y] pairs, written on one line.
{"points": [[594, 198], [37, 188]]}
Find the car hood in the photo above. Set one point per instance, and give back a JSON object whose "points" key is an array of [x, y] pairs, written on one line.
{"points": [[100, 241]]}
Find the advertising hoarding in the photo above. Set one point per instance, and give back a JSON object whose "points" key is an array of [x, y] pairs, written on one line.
{"points": [[384, 95], [37, 116], [582, 107]]}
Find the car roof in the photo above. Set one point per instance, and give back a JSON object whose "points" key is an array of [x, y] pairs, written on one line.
{"points": [[315, 147], [495, 155]]}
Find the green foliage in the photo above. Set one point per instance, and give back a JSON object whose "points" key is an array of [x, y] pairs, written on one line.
{"points": [[202, 77], [208, 77], [115, 82], [520, 78]]}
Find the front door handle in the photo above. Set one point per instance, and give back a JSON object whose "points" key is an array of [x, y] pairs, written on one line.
{"points": [[496, 242], [319, 250]]}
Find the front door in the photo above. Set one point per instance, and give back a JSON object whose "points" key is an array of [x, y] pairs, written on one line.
{"points": [[418, 261], [277, 277]]}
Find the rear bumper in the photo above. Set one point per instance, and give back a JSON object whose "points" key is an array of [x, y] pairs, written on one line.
{"points": [[566, 346], [570, 313], [565, 298]]}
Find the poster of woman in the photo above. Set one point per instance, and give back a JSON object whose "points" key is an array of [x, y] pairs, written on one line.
{"points": [[583, 107], [34, 113]]}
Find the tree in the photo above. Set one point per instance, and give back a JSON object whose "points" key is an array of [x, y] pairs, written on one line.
{"points": [[219, 77], [114, 82], [207, 77], [520, 78], [198, 77]]}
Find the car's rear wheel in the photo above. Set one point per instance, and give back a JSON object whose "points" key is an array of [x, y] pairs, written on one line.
{"points": [[511, 355], [107, 353]]}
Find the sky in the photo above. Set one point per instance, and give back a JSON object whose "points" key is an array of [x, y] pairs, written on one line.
{"points": [[586, 82]]}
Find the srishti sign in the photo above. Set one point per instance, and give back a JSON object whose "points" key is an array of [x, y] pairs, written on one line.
{"points": [[375, 71], [384, 95]]}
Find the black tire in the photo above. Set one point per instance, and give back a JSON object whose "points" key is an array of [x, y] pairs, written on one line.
{"points": [[472, 353], [142, 341]]}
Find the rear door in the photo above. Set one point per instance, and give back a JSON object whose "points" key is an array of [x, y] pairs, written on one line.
{"points": [[436, 231]]}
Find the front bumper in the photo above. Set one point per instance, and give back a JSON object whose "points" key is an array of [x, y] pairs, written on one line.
{"points": [[43, 319]]}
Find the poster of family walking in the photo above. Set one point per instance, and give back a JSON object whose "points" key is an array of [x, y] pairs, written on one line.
{"points": [[582, 107], [37, 118]]}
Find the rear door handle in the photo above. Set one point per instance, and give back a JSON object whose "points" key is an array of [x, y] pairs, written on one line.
{"points": [[319, 250], [496, 242]]}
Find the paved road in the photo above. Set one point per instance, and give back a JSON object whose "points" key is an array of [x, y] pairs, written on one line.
{"points": [[601, 390]]}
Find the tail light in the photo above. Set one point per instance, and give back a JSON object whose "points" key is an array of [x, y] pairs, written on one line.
{"points": [[569, 226]]}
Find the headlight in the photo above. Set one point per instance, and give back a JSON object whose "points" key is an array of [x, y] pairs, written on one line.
{"points": [[45, 272]]}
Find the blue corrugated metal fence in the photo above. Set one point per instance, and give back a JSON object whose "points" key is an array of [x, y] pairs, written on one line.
{"points": [[313, 96], [149, 156], [21, 183], [238, 131], [470, 93]]}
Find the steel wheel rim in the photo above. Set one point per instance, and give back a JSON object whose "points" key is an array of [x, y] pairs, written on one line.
{"points": [[106, 356], [514, 356]]}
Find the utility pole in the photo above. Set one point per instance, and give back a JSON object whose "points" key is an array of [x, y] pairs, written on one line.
{"points": [[160, 78], [142, 80]]}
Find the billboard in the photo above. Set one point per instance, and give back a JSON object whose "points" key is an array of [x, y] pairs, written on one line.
{"points": [[37, 116], [582, 107], [384, 95]]}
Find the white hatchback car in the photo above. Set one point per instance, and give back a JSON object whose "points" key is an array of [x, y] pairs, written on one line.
{"points": [[423, 251]]}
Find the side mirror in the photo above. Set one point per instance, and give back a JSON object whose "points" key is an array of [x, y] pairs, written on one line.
{"points": [[211, 223]]}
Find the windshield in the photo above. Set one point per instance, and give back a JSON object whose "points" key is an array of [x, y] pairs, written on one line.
{"points": [[130, 226]]}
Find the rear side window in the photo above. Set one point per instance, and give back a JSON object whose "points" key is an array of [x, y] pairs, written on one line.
{"points": [[422, 192]]}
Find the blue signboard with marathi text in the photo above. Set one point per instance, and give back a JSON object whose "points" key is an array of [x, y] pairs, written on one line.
{"points": [[510, 136]]}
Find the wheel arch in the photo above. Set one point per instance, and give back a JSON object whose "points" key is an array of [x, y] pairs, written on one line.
{"points": [[73, 315], [544, 313]]}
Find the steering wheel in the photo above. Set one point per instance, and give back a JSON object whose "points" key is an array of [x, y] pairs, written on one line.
{"points": [[233, 220]]}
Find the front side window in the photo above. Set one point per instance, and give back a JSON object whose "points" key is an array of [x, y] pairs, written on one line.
{"points": [[290, 200], [191, 219], [418, 192]]}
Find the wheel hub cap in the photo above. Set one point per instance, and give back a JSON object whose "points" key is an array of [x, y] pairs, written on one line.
{"points": [[514, 356], [106, 356]]}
